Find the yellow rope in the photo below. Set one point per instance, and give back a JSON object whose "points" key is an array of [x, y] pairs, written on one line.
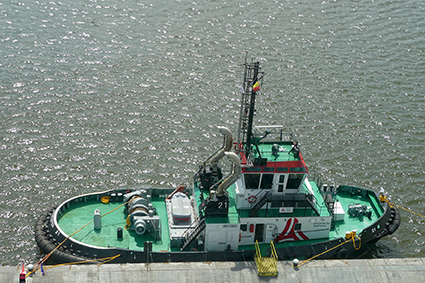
{"points": [[354, 243], [307, 260], [115, 208], [383, 198], [407, 209], [111, 258], [105, 260]]}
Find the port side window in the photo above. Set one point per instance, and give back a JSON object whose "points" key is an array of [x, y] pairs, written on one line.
{"points": [[297, 227], [252, 181], [266, 182], [244, 227], [294, 181]]}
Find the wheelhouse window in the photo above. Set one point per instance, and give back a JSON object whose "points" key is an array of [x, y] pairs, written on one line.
{"points": [[294, 181], [252, 181], [266, 182], [258, 181]]}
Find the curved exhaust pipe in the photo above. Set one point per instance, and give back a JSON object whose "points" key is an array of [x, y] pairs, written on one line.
{"points": [[226, 147], [225, 131], [234, 176]]}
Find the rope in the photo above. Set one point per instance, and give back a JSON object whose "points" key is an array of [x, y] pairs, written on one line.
{"points": [[352, 237], [105, 260], [383, 198], [407, 209], [354, 243], [307, 260], [40, 262]]}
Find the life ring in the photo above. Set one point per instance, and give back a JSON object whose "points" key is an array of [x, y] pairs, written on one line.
{"points": [[252, 199]]}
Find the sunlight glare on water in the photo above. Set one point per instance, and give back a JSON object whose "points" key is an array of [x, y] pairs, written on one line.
{"points": [[96, 95]]}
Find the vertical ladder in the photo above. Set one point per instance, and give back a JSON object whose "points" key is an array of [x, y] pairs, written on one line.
{"points": [[247, 104], [244, 110]]}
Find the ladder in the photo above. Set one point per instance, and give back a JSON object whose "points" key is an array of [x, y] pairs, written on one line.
{"points": [[190, 236], [263, 199], [266, 266], [156, 229], [247, 104]]}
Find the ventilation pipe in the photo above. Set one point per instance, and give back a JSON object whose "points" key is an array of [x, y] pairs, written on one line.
{"points": [[233, 177]]}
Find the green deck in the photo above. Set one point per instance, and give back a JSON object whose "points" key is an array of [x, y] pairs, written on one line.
{"points": [[265, 150], [81, 213]]}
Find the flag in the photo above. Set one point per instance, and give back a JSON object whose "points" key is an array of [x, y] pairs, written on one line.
{"points": [[256, 86]]}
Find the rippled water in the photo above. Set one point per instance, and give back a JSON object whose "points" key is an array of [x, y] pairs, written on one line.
{"points": [[96, 95]]}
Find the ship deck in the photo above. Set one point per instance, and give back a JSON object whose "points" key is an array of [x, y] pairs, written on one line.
{"points": [[81, 213]]}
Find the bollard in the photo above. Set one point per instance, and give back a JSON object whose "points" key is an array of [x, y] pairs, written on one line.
{"points": [[348, 235], [30, 268]]}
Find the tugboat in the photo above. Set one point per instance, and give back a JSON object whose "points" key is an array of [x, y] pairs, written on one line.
{"points": [[266, 203]]}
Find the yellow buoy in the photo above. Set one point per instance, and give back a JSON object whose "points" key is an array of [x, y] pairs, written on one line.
{"points": [[104, 199]]}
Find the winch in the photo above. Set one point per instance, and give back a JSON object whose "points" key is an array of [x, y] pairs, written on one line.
{"points": [[142, 214], [358, 210]]}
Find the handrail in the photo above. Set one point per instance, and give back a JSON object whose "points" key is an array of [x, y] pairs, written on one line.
{"points": [[273, 250], [259, 196], [257, 249], [190, 227], [266, 266]]}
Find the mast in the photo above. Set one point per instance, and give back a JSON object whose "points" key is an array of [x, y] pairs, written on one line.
{"points": [[252, 75]]}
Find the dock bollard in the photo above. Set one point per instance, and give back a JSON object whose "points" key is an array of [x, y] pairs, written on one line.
{"points": [[295, 263], [30, 268]]}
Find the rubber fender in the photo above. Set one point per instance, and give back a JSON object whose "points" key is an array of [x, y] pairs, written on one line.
{"points": [[45, 245], [343, 254], [395, 224], [38, 226]]}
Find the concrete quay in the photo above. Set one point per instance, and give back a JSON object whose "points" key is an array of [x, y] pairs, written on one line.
{"points": [[335, 271]]}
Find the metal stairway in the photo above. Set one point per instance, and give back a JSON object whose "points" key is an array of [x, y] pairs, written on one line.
{"points": [[156, 229], [259, 204], [190, 236], [266, 266], [313, 206]]}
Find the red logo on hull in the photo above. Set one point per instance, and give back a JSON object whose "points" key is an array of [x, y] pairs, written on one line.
{"points": [[289, 233]]}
